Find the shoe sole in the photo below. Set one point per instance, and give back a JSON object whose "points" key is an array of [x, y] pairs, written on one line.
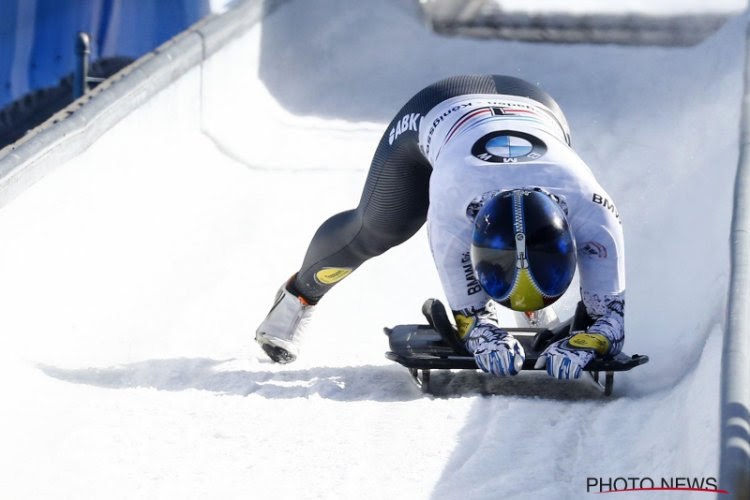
{"points": [[278, 354]]}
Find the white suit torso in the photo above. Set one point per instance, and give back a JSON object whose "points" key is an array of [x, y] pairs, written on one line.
{"points": [[479, 144]]}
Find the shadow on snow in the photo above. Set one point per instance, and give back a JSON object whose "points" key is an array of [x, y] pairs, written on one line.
{"points": [[351, 383]]}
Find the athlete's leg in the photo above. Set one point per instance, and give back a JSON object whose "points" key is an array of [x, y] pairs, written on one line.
{"points": [[392, 208]]}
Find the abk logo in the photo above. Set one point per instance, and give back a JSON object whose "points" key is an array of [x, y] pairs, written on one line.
{"points": [[406, 123]]}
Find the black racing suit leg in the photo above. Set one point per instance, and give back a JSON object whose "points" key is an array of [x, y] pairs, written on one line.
{"points": [[393, 207]]}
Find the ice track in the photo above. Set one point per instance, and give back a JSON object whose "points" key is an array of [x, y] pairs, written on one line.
{"points": [[133, 276]]}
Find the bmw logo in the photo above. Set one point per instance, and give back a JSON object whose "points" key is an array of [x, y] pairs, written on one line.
{"points": [[508, 146]]}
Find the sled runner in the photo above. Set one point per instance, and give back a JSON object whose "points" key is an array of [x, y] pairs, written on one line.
{"points": [[436, 346]]}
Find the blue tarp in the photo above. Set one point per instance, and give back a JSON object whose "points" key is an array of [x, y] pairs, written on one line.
{"points": [[37, 37]]}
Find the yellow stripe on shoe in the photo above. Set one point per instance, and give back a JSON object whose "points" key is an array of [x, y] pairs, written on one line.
{"points": [[595, 341]]}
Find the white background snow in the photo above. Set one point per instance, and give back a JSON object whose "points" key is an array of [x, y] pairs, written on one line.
{"points": [[133, 277]]}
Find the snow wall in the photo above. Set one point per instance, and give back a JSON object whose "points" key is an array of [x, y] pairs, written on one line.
{"points": [[185, 172]]}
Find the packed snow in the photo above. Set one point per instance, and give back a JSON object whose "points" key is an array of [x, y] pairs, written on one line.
{"points": [[134, 275]]}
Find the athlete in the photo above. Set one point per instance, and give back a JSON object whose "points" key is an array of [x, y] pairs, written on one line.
{"points": [[511, 209]]}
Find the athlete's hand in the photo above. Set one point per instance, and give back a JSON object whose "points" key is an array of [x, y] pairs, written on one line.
{"points": [[495, 350], [566, 358]]}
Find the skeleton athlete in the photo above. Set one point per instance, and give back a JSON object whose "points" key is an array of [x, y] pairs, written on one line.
{"points": [[511, 210]]}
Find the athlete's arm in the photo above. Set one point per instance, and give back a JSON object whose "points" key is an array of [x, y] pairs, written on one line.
{"points": [[601, 265]]}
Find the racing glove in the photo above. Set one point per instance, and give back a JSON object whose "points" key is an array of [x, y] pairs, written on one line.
{"points": [[566, 358], [495, 350]]}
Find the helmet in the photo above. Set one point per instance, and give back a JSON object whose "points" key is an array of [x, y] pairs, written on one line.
{"points": [[523, 251]]}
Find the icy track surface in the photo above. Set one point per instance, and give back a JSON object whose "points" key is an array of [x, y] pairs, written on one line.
{"points": [[134, 276]]}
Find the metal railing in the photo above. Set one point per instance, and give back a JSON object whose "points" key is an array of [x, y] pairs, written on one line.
{"points": [[734, 474], [488, 19], [81, 77]]}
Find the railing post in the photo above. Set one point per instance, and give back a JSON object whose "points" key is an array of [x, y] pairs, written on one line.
{"points": [[80, 78]]}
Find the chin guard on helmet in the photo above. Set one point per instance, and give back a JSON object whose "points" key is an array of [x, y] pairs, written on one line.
{"points": [[523, 251]]}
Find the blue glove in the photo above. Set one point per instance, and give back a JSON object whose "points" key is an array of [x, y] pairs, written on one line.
{"points": [[566, 358], [495, 350]]}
